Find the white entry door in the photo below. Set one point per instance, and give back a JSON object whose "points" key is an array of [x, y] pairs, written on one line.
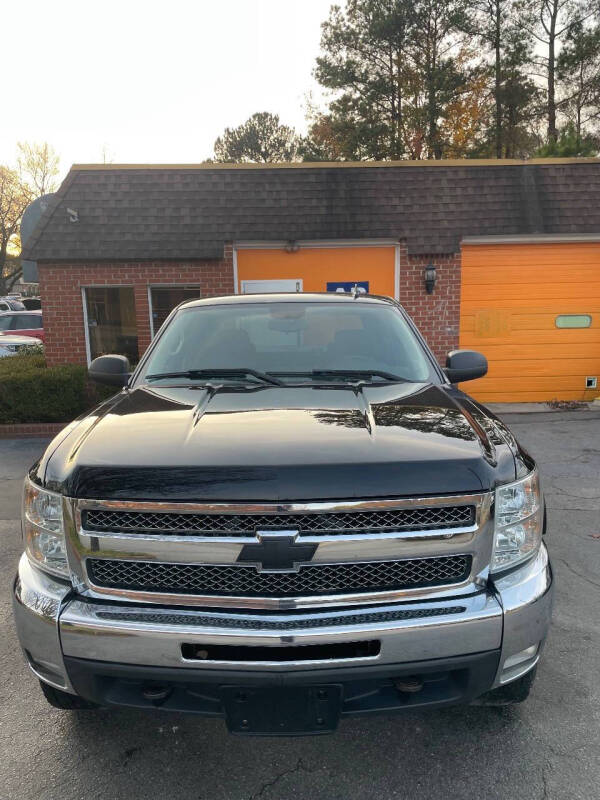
{"points": [[258, 287]]}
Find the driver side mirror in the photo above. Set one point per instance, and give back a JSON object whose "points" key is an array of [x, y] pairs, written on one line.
{"points": [[465, 365], [110, 370]]}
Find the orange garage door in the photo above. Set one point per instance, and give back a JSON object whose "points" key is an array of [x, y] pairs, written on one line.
{"points": [[316, 266], [520, 304]]}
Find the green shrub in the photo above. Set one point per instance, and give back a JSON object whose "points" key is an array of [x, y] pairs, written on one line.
{"points": [[32, 392]]}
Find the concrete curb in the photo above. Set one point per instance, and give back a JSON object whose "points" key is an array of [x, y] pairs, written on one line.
{"points": [[30, 429], [538, 408]]}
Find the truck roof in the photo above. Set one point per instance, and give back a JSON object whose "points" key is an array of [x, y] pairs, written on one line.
{"points": [[290, 297]]}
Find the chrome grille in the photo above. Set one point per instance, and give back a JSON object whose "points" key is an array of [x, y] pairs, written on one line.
{"points": [[337, 523], [246, 581]]}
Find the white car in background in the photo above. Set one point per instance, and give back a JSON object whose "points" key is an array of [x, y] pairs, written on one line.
{"points": [[10, 344]]}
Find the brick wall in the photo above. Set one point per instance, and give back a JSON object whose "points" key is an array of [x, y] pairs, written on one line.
{"points": [[436, 315], [60, 290]]}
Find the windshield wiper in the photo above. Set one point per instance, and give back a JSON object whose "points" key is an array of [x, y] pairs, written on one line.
{"points": [[199, 374], [358, 374]]}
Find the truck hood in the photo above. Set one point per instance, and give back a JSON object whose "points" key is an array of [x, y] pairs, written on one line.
{"points": [[278, 444]]}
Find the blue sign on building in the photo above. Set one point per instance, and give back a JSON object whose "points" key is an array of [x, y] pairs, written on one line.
{"points": [[347, 286]]}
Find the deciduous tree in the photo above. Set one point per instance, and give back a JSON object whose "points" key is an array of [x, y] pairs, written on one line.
{"points": [[34, 175], [38, 165], [15, 196]]}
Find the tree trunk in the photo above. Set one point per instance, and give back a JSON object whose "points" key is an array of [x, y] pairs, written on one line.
{"points": [[431, 82], [579, 104], [498, 80], [552, 130], [398, 100], [394, 89], [3, 287]]}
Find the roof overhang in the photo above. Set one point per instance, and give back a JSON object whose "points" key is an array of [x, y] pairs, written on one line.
{"points": [[532, 238], [446, 162]]}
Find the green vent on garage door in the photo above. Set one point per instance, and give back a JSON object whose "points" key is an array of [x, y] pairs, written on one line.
{"points": [[573, 321]]}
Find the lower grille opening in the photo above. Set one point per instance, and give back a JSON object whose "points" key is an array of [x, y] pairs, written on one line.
{"points": [[445, 681], [246, 581], [308, 652]]}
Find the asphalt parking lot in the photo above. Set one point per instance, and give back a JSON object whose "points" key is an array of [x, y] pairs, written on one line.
{"points": [[546, 748]]}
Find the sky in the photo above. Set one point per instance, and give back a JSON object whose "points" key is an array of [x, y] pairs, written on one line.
{"points": [[152, 82]]}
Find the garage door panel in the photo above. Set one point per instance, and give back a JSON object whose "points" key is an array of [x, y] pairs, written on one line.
{"points": [[510, 298], [552, 367], [529, 352], [524, 305], [527, 255], [533, 292], [515, 275], [534, 324], [545, 319], [529, 396], [581, 338], [538, 383]]}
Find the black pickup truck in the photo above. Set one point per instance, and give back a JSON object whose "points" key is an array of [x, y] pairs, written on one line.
{"points": [[289, 513]]}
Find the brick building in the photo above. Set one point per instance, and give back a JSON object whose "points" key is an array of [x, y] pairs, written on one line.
{"points": [[515, 247]]}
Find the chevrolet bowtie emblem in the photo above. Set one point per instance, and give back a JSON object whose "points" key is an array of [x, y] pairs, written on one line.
{"points": [[276, 551]]}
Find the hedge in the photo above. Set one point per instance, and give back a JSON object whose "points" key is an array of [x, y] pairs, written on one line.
{"points": [[32, 392]]}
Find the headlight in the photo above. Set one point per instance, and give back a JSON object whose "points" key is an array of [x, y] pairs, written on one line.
{"points": [[518, 522], [43, 529]]}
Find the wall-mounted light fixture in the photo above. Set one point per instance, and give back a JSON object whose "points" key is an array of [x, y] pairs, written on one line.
{"points": [[292, 247], [430, 276], [73, 215]]}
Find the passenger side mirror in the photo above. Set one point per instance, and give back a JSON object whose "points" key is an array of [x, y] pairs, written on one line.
{"points": [[465, 365], [110, 370]]}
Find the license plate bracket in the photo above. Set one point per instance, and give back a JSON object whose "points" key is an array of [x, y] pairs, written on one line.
{"points": [[283, 711]]}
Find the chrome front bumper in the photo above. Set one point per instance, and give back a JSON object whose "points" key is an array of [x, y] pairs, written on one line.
{"points": [[54, 623]]}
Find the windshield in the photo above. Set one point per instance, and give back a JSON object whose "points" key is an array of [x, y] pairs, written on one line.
{"points": [[5, 322], [289, 339]]}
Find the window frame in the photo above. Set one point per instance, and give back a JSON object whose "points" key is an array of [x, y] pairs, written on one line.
{"points": [[86, 330], [10, 315], [30, 318], [167, 286]]}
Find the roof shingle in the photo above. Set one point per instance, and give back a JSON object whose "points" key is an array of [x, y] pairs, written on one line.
{"points": [[143, 213]]}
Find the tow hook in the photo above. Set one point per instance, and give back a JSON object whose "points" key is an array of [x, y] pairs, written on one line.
{"points": [[156, 693], [409, 685]]}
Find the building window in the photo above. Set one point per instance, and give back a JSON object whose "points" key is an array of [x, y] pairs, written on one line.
{"points": [[110, 321], [573, 321], [163, 299]]}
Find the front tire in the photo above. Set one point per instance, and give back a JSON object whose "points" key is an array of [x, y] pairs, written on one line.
{"points": [[510, 694], [65, 701]]}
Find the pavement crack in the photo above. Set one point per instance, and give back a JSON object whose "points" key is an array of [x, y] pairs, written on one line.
{"points": [[558, 488], [546, 794], [579, 574], [570, 508], [300, 766]]}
